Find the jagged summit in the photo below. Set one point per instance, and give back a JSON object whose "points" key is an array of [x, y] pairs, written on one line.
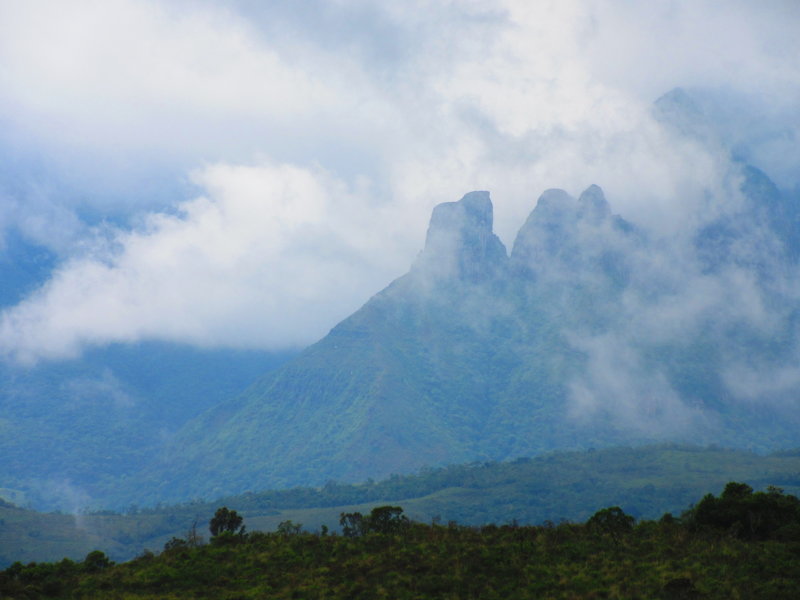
{"points": [[681, 111], [561, 227], [578, 339], [460, 243], [473, 211], [554, 201], [592, 204], [677, 101]]}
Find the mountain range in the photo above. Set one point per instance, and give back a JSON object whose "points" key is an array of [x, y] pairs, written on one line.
{"points": [[590, 331]]}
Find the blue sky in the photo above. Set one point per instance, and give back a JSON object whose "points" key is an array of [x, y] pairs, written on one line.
{"points": [[246, 174]]}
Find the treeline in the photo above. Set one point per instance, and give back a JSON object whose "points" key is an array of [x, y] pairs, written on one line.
{"points": [[645, 482], [558, 485], [741, 544]]}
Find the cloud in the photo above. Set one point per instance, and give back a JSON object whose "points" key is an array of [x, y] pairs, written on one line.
{"points": [[620, 385], [273, 254], [669, 350], [106, 389], [661, 332], [680, 336], [266, 168], [95, 74]]}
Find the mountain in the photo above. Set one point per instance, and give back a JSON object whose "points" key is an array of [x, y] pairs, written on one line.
{"points": [[69, 428], [591, 332]]}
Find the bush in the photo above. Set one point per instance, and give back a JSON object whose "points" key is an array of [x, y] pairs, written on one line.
{"points": [[382, 519], [611, 521], [747, 515], [288, 528], [226, 521], [96, 561]]}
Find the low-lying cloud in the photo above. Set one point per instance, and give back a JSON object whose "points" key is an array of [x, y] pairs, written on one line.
{"points": [[254, 262]]}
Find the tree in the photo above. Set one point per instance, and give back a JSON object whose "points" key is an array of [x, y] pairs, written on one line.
{"points": [[289, 528], [736, 491], [175, 544], [194, 539], [387, 519], [612, 521], [382, 519], [226, 521], [96, 561], [749, 515], [353, 524]]}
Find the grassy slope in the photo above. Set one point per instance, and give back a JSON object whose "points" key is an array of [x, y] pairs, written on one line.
{"points": [[646, 482]]}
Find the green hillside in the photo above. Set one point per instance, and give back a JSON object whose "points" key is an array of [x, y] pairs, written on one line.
{"points": [[645, 482], [575, 340], [69, 430]]}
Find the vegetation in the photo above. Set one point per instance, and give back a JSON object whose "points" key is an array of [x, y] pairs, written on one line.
{"points": [[383, 519], [644, 482], [707, 553], [473, 355], [226, 521], [749, 516], [482, 363], [70, 430]]}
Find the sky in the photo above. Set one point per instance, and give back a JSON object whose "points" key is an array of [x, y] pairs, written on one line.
{"points": [[246, 174]]}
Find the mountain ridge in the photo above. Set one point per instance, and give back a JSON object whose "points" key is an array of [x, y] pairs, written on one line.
{"points": [[477, 354]]}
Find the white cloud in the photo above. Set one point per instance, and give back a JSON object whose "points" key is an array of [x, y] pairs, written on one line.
{"points": [[619, 384], [98, 71], [384, 109], [272, 255]]}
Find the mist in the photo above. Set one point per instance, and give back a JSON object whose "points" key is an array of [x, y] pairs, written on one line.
{"points": [[230, 175]]}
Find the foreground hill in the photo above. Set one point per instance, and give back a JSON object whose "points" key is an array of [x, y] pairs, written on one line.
{"points": [[646, 482], [738, 545]]}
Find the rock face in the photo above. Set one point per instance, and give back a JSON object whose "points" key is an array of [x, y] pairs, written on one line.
{"points": [[589, 334], [593, 206], [542, 236], [460, 243], [567, 239]]}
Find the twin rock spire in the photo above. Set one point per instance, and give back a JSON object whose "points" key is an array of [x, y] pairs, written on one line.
{"points": [[460, 243]]}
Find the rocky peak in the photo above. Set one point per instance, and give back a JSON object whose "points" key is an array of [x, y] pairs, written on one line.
{"points": [[552, 204], [565, 235], [546, 229], [469, 216], [678, 110], [592, 205], [460, 243]]}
